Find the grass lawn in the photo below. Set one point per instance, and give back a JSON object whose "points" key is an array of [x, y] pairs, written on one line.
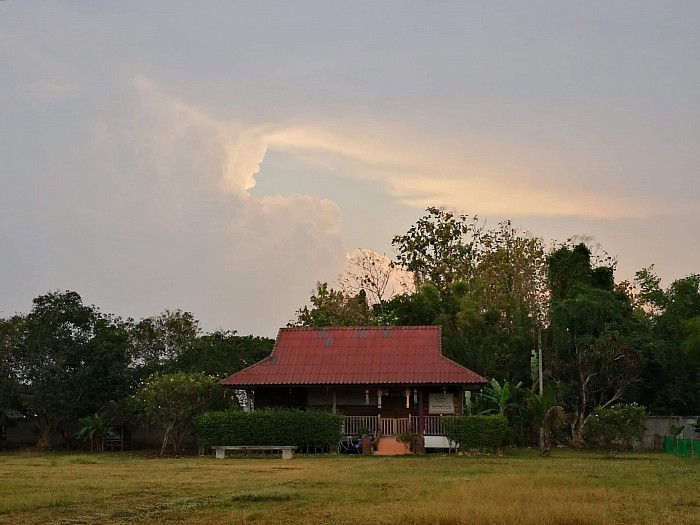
{"points": [[518, 488]]}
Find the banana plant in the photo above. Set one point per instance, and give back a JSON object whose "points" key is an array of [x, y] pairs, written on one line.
{"points": [[96, 429], [499, 397]]}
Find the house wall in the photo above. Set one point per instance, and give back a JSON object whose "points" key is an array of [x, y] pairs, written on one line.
{"points": [[281, 397], [352, 400]]}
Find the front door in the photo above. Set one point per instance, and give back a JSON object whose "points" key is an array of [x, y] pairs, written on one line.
{"points": [[395, 407]]}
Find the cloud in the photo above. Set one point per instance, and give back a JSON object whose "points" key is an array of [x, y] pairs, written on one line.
{"points": [[233, 151], [469, 174], [466, 175], [166, 219]]}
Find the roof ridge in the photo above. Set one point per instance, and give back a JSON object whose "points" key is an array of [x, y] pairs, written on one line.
{"points": [[350, 328]]}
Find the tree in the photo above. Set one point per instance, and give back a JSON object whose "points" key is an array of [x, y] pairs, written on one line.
{"points": [[172, 401], [492, 287], [377, 275], [9, 387], [471, 335], [671, 376], [330, 307], [68, 359], [223, 353], [159, 341], [512, 277], [421, 308], [597, 341], [616, 428], [441, 248], [651, 299]]}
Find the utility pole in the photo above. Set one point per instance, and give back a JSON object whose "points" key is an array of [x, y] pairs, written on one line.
{"points": [[539, 358], [541, 382]]}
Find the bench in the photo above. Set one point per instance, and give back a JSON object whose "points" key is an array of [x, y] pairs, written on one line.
{"points": [[287, 452]]}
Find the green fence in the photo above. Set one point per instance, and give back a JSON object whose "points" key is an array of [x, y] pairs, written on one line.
{"points": [[685, 448]]}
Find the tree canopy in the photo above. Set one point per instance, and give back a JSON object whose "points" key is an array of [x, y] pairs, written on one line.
{"points": [[597, 341], [64, 353], [65, 360], [497, 291]]}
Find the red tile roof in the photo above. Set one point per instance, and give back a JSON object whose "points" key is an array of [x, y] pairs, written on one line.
{"points": [[355, 356]]}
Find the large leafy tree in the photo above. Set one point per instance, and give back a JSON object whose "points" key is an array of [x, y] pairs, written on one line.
{"points": [[511, 277], [441, 248], [491, 285], [671, 379], [68, 358], [222, 353], [421, 308], [159, 342], [329, 307], [597, 342], [9, 387]]}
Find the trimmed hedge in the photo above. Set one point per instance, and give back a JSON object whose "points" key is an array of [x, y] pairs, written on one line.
{"points": [[479, 432], [269, 427]]}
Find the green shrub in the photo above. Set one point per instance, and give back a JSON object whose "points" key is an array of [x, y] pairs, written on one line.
{"points": [[269, 427], [617, 427], [174, 400], [479, 432]]}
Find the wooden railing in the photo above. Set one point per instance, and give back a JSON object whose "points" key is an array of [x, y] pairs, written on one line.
{"points": [[352, 425], [434, 425], [395, 426], [389, 426]]}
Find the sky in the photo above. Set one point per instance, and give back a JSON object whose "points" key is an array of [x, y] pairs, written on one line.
{"points": [[222, 157]]}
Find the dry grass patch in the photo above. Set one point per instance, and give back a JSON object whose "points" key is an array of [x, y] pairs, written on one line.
{"points": [[510, 499], [570, 488]]}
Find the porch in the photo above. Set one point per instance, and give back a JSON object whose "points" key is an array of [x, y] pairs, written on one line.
{"points": [[394, 426]]}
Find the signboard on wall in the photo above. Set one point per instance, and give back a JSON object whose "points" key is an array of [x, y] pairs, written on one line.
{"points": [[441, 404]]}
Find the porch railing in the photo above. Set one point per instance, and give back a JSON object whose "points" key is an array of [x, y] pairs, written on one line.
{"points": [[352, 425], [434, 425], [395, 426], [389, 426]]}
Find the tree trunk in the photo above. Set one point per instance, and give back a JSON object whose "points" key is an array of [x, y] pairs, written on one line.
{"points": [[166, 438], [545, 442], [581, 400], [44, 440], [46, 426], [177, 436]]}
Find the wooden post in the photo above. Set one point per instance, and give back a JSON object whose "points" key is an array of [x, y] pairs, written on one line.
{"points": [[334, 400], [421, 413]]}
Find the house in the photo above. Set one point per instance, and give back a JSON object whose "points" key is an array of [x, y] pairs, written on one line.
{"points": [[389, 381]]}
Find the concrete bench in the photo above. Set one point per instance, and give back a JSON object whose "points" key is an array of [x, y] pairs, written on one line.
{"points": [[287, 452]]}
